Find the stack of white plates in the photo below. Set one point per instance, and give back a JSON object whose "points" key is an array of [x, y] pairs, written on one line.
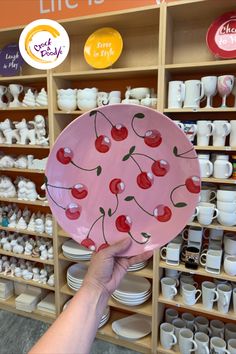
{"points": [[133, 327], [26, 302], [137, 266], [48, 304], [75, 275], [72, 250], [133, 290], [105, 316], [6, 289]]}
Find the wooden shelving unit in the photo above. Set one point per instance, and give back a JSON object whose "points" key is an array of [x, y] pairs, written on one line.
{"points": [[161, 43]]}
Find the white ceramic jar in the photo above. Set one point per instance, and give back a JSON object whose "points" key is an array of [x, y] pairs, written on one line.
{"points": [[222, 167]]}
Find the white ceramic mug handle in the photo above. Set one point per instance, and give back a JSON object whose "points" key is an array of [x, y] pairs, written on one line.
{"points": [[162, 256], [226, 351], [203, 259], [217, 213], [201, 92], [210, 168], [174, 290], [230, 169], [194, 346], [211, 125], [206, 348], [217, 296], [214, 195], [227, 128], [200, 293], [175, 339]]}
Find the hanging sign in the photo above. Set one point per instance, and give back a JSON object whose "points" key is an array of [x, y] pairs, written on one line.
{"points": [[11, 60], [221, 36]]}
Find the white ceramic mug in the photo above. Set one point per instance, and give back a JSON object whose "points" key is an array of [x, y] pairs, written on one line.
{"points": [[194, 92], [226, 219], [204, 131], [226, 207], [211, 260], [232, 346], [222, 168], [202, 341], [176, 94], [207, 212], [190, 294], [218, 345], [226, 195], [209, 294], [230, 265], [171, 253], [222, 128], [186, 342], [234, 300], [193, 234], [188, 318], [167, 337], [171, 315], [207, 195], [206, 166], [230, 243], [232, 138], [190, 129], [217, 328], [178, 324], [216, 234], [230, 331], [224, 292], [168, 287]]}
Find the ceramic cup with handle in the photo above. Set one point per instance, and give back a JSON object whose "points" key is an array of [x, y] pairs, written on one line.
{"points": [[210, 88], [230, 331], [204, 131], [206, 166], [171, 253], [188, 318], [171, 315], [178, 324], [230, 265], [202, 341], [222, 128], [168, 287], [232, 346], [207, 212], [190, 294], [226, 219], [209, 294], [202, 325], [186, 342], [230, 243], [207, 195], [217, 328], [211, 260], [176, 94], [167, 337], [222, 168], [232, 137], [224, 292], [194, 92], [218, 346]]}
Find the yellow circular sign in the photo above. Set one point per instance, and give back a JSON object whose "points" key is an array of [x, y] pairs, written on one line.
{"points": [[103, 48]]}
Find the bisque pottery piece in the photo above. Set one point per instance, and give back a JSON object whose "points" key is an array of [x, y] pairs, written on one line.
{"points": [[29, 99], [43, 276], [7, 188], [7, 162], [40, 129], [51, 280], [21, 162], [43, 252], [36, 164], [27, 136], [11, 135], [42, 98], [15, 90], [39, 225], [35, 271]]}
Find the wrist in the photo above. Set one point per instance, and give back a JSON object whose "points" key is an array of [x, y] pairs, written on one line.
{"points": [[97, 293]]}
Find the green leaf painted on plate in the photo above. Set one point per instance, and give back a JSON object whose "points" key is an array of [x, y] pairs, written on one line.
{"points": [[129, 198], [102, 211], [175, 151], [180, 205], [109, 212], [131, 150], [126, 157], [145, 235], [99, 170], [139, 115], [92, 113]]}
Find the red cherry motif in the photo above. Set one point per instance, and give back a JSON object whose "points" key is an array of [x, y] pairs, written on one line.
{"points": [[64, 155], [102, 246], [162, 213], [193, 184], [73, 211], [119, 132], [103, 144], [153, 138], [88, 243], [145, 180], [117, 186], [79, 191], [123, 223], [160, 168]]}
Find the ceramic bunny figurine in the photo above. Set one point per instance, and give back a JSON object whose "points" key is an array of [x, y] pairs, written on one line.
{"points": [[43, 252], [49, 225], [21, 192], [39, 225], [35, 271], [43, 276], [51, 280]]}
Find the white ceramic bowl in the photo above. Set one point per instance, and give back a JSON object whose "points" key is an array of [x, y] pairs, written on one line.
{"points": [[139, 92], [86, 105], [67, 105]]}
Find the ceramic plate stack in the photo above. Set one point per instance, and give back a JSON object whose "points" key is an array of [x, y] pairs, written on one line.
{"points": [[75, 275], [72, 250], [105, 316], [48, 304], [137, 266], [133, 327], [133, 290], [6, 289], [26, 302]]}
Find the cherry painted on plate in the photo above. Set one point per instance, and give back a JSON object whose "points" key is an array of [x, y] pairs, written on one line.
{"points": [[122, 171]]}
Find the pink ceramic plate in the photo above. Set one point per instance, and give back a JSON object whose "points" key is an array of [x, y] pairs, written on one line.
{"points": [[122, 170]]}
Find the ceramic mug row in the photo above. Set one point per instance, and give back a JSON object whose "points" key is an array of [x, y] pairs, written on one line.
{"points": [[219, 166]]}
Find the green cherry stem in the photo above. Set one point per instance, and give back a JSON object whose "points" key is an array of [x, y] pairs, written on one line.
{"points": [[91, 227], [117, 203], [136, 153], [103, 229], [85, 169], [132, 125], [136, 163], [139, 242], [60, 206]]}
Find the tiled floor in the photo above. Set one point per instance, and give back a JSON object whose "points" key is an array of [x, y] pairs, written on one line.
{"points": [[18, 334]]}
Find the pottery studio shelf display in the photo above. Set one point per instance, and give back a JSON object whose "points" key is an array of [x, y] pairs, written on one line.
{"points": [[161, 43]]}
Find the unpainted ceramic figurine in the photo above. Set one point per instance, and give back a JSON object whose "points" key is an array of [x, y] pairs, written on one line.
{"points": [[26, 135], [11, 135]]}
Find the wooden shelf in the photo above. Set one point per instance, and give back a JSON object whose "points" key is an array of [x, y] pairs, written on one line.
{"points": [[22, 108], [161, 350], [145, 309], [77, 113], [212, 66], [28, 202], [198, 110], [26, 257], [110, 73], [198, 307], [18, 146], [215, 225], [142, 345], [22, 170], [200, 271], [25, 232], [219, 180], [28, 282], [63, 233], [9, 305], [24, 78], [215, 148]]}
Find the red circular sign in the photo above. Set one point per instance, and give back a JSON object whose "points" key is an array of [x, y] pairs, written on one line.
{"points": [[221, 36]]}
